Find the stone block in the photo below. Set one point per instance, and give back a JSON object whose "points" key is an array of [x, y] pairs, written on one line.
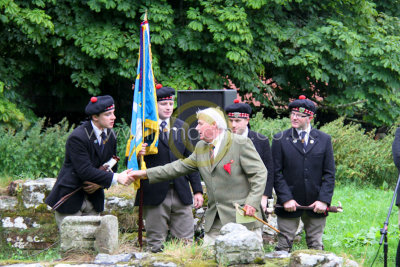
{"points": [[8, 203], [237, 245], [106, 235], [118, 204], [314, 258], [35, 191], [107, 259], [25, 232], [82, 232]]}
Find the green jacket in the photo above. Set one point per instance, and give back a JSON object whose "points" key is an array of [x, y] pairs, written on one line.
{"points": [[244, 185]]}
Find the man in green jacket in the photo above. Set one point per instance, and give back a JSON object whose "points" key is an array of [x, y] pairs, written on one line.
{"points": [[230, 167]]}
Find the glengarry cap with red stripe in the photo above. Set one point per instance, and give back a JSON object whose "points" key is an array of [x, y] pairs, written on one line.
{"points": [[164, 93], [303, 105], [238, 110]]}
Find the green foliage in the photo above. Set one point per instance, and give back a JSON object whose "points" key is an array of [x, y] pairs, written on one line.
{"points": [[359, 157], [10, 115], [34, 152], [10, 255], [269, 127], [343, 51], [39, 151], [122, 131]]}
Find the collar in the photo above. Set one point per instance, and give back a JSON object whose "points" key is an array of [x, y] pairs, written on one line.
{"points": [[217, 142], [308, 130], [97, 131], [160, 121], [245, 132]]}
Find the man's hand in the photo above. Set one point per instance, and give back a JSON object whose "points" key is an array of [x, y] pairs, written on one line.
{"points": [[250, 211], [142, 152], [319, 206], [198, 200], [264, 203], [290, 206], [90, 187], [140, 174], [124, 177], [104, 168]]}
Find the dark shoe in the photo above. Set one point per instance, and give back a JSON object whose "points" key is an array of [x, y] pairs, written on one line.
{"points": [[157, 249]]}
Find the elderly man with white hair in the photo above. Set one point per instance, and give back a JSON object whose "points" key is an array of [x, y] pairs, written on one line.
{"points": [[230, 167]]}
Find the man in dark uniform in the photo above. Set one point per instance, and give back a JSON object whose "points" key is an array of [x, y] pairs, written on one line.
{"points": [[239, 116], [88, 147], [304, 175], [168, 205], [396, 160]]}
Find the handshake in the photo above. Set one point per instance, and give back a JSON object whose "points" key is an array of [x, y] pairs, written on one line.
{"points": [[125, 178], [129, 176]]}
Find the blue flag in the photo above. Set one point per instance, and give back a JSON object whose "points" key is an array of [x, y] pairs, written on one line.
{"points": [[144, 125]]}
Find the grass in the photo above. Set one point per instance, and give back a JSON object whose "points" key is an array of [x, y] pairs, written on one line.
{"points": [[356, 232], [353, 234]]}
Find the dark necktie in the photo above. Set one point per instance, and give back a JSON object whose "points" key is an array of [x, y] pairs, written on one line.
{"points": [[303, 139], [211, 153], [164, 131], [103, 141]]}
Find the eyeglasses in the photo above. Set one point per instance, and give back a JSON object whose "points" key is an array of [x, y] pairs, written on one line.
{"points": [[298, 115]]}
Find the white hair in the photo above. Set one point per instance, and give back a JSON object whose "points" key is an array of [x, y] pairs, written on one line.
{"points": [[213, 115]]}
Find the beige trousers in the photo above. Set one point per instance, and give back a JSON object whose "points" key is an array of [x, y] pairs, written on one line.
{"points": [[170, 215], [85, 210]]}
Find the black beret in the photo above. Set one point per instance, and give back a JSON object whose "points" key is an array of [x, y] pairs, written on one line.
{"points": [[99, 104], [165, 93], [238, 110], [303, 105]]}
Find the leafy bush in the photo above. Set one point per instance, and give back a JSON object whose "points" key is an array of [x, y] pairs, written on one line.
{"points": [[358, 156], [122, 131], [269, 127], [35, 152], [39, 151]]}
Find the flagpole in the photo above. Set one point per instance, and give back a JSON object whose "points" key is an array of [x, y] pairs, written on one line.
{"points": [[142, 164], [144, 115]]}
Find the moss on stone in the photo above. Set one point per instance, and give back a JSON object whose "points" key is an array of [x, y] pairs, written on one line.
{"points": [[277, 262]]}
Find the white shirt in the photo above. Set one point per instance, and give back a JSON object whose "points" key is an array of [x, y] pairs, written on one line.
{"points": [[166, 126], [217, 143], [307, 136], [97, 133], [245, 132]]}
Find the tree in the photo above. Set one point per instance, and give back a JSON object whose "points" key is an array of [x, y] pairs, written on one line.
{"points": [[342, 54]]}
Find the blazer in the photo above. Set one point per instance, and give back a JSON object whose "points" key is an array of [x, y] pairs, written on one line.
{"points": [[82, 160], [261, 143], [396, 158], [244, 185], [305, 176], [178, 146]]}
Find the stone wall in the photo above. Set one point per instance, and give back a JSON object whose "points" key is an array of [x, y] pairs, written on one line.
{"points": [[28, 223]]}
